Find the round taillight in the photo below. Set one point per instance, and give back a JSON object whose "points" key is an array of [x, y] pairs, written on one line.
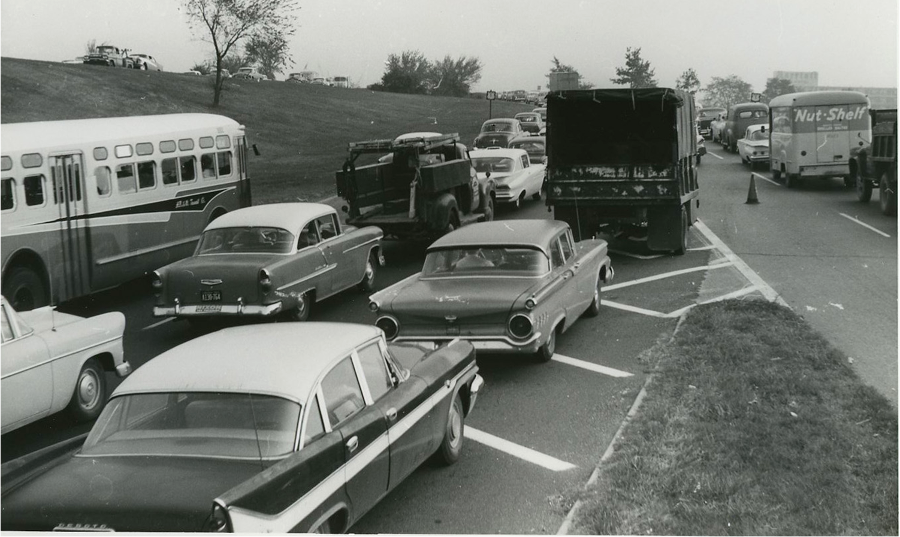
{"points": [[530, 304], [520, 326], [373, 306], [389, 326]]}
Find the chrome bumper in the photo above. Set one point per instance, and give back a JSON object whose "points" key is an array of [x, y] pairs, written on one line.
{"points": [[217, 309], [123, 369], [474, 389], [498, 344]]}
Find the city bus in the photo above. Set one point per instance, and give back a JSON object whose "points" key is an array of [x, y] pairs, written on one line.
{"points": [[89, 204], [812, 133]]}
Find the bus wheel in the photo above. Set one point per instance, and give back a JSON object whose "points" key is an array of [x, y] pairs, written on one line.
{"points": [[886, 198], [25, 290], [776, 174], [849, 181]]}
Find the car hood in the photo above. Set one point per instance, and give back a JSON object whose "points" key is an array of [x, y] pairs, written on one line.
{"points": [[47, 318], [468, 299], [143, 494]]}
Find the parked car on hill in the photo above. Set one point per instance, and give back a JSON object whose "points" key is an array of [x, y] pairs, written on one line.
{"points": [[754, 146], [78, 59], [499, 132], [146, 62], [507, 286], [266, 260], [531, 121], [253, 429], [110, 56], [54, 361], [250, 73], [515, 177]]}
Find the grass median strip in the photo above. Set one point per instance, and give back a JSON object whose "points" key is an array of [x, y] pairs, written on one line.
{"points": [[753, 424]]}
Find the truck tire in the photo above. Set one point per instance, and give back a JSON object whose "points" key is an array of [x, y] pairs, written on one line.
{"points": [[24, 289], [452, 221], [776, 174], [886, 197], [863, 187], [682, 246]]}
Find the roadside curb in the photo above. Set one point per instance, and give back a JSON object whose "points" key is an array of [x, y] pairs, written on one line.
{"points": [[610, 449]]}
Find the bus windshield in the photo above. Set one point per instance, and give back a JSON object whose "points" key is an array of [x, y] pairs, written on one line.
{"points": [[263, 240]]}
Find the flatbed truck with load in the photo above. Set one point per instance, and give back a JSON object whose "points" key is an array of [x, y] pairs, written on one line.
{"points": [[875, 165], [624, 161], [422, 186]]}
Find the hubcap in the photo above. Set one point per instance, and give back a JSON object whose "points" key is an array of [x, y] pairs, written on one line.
{"points": [[370, 270], [455, 426], [88, 390]]}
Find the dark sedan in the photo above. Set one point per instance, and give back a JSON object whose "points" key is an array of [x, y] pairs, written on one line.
{"points": [[499, 132], [252, 429], [506, 286]]}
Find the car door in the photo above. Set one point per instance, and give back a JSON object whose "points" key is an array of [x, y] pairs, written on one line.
{"points": [[26, 372], [533, 176], [412, 431], [349, 264], [364, 434], [563, 259], [307, 268]]}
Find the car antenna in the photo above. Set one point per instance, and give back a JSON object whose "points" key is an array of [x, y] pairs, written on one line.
{"points": [[256, 431]]}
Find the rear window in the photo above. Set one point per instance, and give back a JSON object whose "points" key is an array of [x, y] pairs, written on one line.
{"points": [[485, 261]]}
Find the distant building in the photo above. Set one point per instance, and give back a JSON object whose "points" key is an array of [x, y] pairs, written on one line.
{"points": [[880, 98]]}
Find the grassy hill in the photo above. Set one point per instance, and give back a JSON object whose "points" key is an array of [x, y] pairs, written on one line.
{"points": [[301, 131]]}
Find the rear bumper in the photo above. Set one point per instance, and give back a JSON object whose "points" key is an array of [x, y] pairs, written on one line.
{"points": [[493, 344], [123, 369], [225, 310], [825, 170], [474, 389]]}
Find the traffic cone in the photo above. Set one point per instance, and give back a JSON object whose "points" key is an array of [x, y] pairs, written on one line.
{"points": [[751, 195]]}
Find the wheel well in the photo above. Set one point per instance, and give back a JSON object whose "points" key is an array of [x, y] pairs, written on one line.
{"points": [[217, 212], [603, 272], [338, 521], [28, 258], [106, 361]]}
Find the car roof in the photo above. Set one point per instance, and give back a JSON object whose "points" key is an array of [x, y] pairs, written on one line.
{"points": [[499, 152], [536, 233], [529, 138], [501, 120], [288, 216], [527, 114], [281, 359]]}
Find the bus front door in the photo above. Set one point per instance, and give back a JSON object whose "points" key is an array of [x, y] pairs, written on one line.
{"points": [[244, 184], [832, 134], [71, 269]]}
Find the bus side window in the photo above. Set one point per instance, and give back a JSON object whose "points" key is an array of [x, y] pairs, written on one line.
{"points": [[188, 169], [208, 165], [224, 163], [34, 190], [146, 175], [125, 179], [169, 168], [7, 198], [104, 185]]}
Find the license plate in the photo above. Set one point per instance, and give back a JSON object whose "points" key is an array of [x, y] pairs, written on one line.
{"points": [[209, 308], [210, 296]]}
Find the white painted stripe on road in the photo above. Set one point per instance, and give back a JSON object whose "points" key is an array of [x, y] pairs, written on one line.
{"points": [[865, 225], [633, 309], [160, 323], [701, 248], [516, 450], [733, 294], [663, 275], [708, 152], [739, 264], [764, 178], [636, 256], [597, 368]]}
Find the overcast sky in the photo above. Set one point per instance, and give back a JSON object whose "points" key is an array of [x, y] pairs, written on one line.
{"points": [[849, 42]]}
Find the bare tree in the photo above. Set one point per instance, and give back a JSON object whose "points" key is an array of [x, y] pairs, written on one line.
{"points": [[224, 23]]}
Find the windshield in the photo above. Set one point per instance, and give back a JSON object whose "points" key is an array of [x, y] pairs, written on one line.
{"points": [[245, 70], [106, 49], [710, 113], [493, 164], [190, 424], [497, 127], [267, 240], [486, 261]]}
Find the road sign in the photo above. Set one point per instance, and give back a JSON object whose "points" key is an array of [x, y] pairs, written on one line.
{"points": [[491, 95], [755, 97]]}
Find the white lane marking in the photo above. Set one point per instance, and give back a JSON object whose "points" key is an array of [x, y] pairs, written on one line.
{"points": [[516, 450], [764, 178], [739, 264], [160, 323], [865, 225], [708, 152], [636, 256], [727, 296], [597, 368], [701, 248], [633, 309], [663, 275]]}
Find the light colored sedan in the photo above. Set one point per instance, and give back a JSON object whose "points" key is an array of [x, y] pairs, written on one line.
{"points": [[514, 175], [54, 361], [754, 146], [146, 62]]}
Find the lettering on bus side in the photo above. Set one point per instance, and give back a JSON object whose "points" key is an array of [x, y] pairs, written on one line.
{"points": [[831, 118]]}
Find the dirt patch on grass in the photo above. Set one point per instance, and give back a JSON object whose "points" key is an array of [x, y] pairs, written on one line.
{"points": [[753, 425]]}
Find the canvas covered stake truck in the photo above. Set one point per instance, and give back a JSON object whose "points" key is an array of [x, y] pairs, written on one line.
{"points": [[422, 186], [623, 160]]}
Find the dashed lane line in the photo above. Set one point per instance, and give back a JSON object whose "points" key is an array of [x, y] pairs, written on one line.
{"points": [[764, 178], [160, 323], [708, 152], [521, 452], [597, 368], [664, 275], [865, 225]]}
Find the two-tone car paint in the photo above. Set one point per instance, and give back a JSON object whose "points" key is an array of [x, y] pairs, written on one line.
{"points": [[754, 146], [53, 360], [324, 258], [515, 176], [480, 308], [335, 472]]}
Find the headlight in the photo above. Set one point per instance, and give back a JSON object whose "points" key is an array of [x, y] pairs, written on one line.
{"points": [[265, 281], [520, 326], [218, 520], [389, 326]]}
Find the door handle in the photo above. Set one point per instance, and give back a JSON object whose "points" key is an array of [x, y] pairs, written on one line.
{"points": [[352, 444], [392, 414]]}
